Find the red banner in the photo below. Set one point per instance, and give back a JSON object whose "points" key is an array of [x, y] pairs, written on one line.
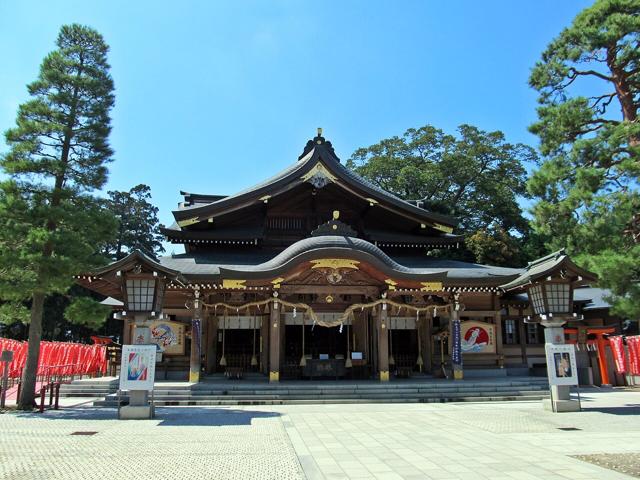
{"points": [[633, 346], [58, 358], [617, 348]]}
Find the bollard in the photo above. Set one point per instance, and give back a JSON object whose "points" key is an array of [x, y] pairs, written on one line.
{"points": [[43, 391], [56, 405], [19, 389], [50, 388]]}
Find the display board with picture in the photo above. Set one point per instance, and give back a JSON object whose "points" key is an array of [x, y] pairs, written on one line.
{"points": [[478, 337]]}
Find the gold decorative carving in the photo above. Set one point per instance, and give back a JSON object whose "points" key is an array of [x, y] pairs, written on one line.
{"points": [[336, 214], [265, 199], [194, 377], [392, 283], [276, 283], [384, 375], [319, 170], [274, 376], [239, 284], [442, 228], [335, 263], [431, 286], [188, 221], [371, 201]]}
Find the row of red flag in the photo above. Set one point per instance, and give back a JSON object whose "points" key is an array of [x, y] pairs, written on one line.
{"points": [[628, 361], [58, 358]]}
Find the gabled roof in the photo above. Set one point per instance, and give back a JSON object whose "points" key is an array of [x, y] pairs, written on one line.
{"points": [[554, 263], [317, 165], [136, 258]]}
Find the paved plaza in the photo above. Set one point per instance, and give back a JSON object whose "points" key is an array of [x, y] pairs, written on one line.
{"points": [[515, 440]]}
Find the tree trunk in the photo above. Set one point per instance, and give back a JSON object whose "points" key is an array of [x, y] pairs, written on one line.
{"points": [[28, 388]]}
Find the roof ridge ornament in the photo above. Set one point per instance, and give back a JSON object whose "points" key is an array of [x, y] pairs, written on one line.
{"points": [[334, 227], [318, 140]]}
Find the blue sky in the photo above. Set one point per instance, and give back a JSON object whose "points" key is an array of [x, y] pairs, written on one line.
{"points": [[213, 96]]}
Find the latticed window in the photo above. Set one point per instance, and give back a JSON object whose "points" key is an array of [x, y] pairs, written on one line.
{"points": [[140, 293], [285, 223], [533, 334], [558, 297], [509, 331], [535, 294]]}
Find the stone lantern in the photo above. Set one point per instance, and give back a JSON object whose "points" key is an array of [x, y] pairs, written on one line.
{"points": [[549, 283]]}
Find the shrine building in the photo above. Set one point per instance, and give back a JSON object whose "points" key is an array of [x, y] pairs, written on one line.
{"points": [[318, 273]]}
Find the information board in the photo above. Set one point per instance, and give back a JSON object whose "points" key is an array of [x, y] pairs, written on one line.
{"points": [[561, 364], [137, 371]]}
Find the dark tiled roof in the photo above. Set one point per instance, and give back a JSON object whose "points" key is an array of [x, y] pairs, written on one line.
{"points": [[322, 151], [345, 247], [548, 265]]}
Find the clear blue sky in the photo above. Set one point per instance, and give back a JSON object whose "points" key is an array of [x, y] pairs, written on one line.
{"points": [[214, 96]]}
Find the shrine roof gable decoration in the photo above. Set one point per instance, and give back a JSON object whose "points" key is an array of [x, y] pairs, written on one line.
{"points": [[319, 166], [554, 264]]}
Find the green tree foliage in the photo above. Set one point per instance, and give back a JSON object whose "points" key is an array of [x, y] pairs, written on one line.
{"points": [[587, 187], [475, 176], [50, 223], [138, 226]]}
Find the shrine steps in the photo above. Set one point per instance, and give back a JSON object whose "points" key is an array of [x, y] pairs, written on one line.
{"points": [[305, 392]]}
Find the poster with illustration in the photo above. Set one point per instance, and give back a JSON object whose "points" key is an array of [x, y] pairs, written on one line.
{"points": [[478, 337], [561, 364], [169, 336], [137, 371]]}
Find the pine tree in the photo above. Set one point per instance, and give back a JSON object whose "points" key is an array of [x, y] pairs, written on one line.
{"points": [[138, 226], [51, 226], [587, 188]]}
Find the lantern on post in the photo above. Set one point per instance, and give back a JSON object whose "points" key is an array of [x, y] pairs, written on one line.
{"points": [[549, 283]]}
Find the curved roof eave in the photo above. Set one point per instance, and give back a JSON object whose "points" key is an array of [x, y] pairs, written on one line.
{"points": [[356, 249]]}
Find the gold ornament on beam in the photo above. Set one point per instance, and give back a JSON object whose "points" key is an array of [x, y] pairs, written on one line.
{"points": [[335, 263]]}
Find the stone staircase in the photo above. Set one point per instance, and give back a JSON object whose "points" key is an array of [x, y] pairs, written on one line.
{"points": [[242, 392]]}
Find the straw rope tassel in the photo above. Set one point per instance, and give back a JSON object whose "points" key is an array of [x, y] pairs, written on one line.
{"points": [[348, 363], [223, 359], [303, 359]]}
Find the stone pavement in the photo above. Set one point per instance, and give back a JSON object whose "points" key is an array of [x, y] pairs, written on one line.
{"points": [[499, 441]]}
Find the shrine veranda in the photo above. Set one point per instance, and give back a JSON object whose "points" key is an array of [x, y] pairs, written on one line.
{"points": [[318, 273]]}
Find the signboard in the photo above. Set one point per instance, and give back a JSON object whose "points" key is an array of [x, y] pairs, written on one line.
{"points": [[141, 335], [478, 337], [137, 371], [561, 364], [169, 336]]}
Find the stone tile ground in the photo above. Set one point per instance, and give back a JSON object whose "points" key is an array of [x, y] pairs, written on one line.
{"points": [[501, 441]]}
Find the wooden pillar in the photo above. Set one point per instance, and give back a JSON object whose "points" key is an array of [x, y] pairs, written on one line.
{"points": [[498, 321], [522, 334], [126, 332], [382, 327], [264, 344], [212, 343], [602, 360], [196, 339], [274, 343], [427, 352]]}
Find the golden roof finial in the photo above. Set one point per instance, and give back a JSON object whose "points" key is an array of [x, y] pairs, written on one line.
{"points": [[336, 214]]}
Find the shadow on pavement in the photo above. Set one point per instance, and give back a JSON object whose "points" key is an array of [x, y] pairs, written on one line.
{"points": [[166, 416], [628, 409], [208, 417]]}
